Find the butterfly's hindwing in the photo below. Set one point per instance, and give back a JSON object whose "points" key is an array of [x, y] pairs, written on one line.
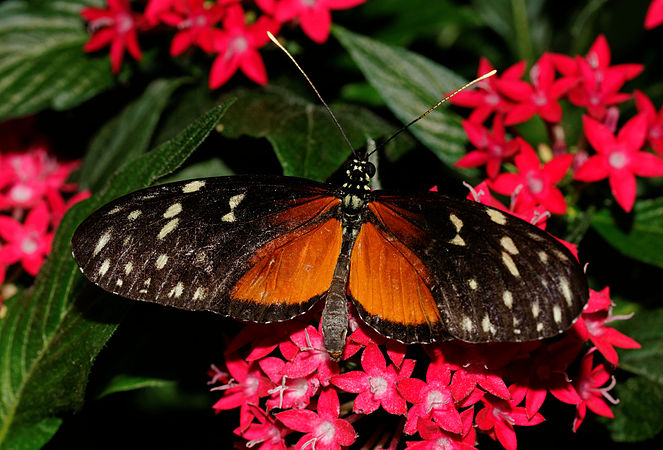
{"points": [[492, 276], [189, 245]]}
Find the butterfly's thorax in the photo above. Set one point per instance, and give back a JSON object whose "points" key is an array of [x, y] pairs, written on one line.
{"points": [[355, 194]]}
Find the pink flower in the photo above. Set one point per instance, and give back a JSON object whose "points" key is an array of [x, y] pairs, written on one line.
{"points": [[267, 434], [593, 326], [598, 82], [487, 98], [431, 398], [238, 45], [654, 121], [536, 183], [308, 355], [155, 8], [194, 20], [28, 243], [436, 438], [247, 386], [314, 15], [654, 14], [498, 418], [492, 148], [588, 384], [377, 384], [619, 158], [116, 26], [324, 430], [289, 392], [538, 98]]}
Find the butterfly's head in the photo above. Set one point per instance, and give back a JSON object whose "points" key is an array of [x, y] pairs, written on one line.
{"points": [[359, 173]]}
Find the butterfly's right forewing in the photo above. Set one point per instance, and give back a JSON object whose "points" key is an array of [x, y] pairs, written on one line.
{"points": [[213, 244]]}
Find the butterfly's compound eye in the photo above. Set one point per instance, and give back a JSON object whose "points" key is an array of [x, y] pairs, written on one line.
{"points": [[370, 169]]}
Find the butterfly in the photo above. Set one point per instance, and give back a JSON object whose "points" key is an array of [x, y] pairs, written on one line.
{"points": [[419, 267]]}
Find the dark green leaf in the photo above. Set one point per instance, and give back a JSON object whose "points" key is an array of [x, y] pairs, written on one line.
{"points": [[126, 136], [211, 168], [639, 415], [409, 85], [123, 383], [641, 239], [646, 327], [305, 140], [50, 335], [42, 62]]}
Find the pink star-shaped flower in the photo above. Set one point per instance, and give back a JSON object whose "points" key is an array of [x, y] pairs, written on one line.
{"points": [[536, 215], [194, 20], [619, 158], [306, 354], [324, 429], [492, 147], [246, 388], [116, 26], [314, 15], [588, 384], [431, 398], [654, 121], [536, 183], [238, 44], [436, 438], [598, 82], [486, 97], [28, 243], [376, 385], [593, 326], [654, 15], [538, 98], [498, 418], [289, 392], [267, 434]]}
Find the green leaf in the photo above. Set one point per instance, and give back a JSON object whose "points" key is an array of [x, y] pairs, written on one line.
{"points": [[125, 382], [305, 140], [126, 136], [211, 168], [646, 327], [50, 335], [639, 415], [641, 238], [409, 85], [42, 62]]}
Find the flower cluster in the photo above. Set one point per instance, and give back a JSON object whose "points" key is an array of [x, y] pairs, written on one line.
{"points": [[288, 390], [589, 82], [34, 195], [220, 28]]}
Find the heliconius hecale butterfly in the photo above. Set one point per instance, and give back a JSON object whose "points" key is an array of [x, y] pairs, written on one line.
{"points": [[418, 267]]}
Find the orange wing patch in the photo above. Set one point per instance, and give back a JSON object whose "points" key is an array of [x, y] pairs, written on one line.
{"points": [[294, 267], [387, 280]]}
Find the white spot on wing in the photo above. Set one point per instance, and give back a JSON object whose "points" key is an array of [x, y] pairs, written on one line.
{"points": [[566, 291], [508, 245], [104, 267], [193, 186], [456, 221], [161, 261], [473, 284], [457, 240], [557, 314], [535, 309], [507, 298], [167, 228], [543, 256], [467, 324], [233, 203], [133, 215], [539, 327], [496, 216], [199, 294], [101, 243], [128, 268], [510, 265], [173, 210], [177, 290]]}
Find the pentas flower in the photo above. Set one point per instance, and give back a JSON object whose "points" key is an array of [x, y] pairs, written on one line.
{"points": [[541, 97], [598, 82], [377, 384], [487, 98], [195, 20], [289, 392], [492, 147], [619, 158], [306, 354], [115, 26], [654, 121], [431, 398], [28, 243], [155, 8], [654, 15], [498, 418], [536, 215], [536, 183], [435, 438], [237, 45], [593, 326], [314, 16], [324, 430], [267, 434], [589, 383]]}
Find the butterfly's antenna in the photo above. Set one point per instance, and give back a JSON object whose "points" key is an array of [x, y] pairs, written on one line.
{"points": [[399, 131], [274, 40]]}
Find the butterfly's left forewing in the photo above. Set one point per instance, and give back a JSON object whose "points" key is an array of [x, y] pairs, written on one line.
{"points": [[217, 244], [472, 272]]}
